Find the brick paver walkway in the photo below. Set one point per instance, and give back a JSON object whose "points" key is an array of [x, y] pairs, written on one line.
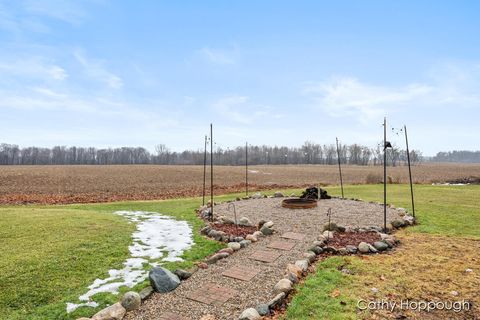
{"points": [[293, 236], [241, 273], [170, 316], [281, 245], [265, 256], [212, 294]]}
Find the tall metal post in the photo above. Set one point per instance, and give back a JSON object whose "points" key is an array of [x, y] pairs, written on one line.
{"points": [[340, 168], [409, 171], [211, 170], [385, 174], [246, 168], [204, 169]]}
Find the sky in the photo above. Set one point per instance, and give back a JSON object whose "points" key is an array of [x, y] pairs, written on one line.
{"points": [[110, 73]]}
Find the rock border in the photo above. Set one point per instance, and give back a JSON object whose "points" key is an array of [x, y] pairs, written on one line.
{"points": [[132, 300], [300, 268]]}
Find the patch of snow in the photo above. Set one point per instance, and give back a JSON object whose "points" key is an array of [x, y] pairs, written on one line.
{"points": [[157, 238], [253, 171], [450, 184], [72, 306]]}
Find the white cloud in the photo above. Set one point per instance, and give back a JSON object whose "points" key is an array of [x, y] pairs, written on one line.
{"points": [[96, 70], [347, 96], [229, 107], [239, 109], [221, 56], [71, 12], [33, 68], [350, 97]]}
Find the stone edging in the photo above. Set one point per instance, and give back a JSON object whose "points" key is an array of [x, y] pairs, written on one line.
{"points": [[132, 300], [295, 271]]}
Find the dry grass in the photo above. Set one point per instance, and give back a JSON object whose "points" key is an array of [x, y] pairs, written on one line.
{"points": [[80, 184], [436, 274]]}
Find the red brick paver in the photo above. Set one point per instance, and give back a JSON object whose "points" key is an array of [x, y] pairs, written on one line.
{"points": [[293, 235], [241, 273], [212, 294], [265, 256], [171, 316], [281, 245]]}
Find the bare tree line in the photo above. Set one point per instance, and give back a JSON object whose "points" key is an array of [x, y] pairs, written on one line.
{"points": [[308, 153], [458, 156]]}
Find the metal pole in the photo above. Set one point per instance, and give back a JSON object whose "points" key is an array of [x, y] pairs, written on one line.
{"points": [[246, 168], [204, 170], [409, 171], [340, 168], [385, 174], [211, 170]]}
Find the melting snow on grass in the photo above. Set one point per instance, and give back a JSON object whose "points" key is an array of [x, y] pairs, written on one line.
{"points": [[157, 238]]}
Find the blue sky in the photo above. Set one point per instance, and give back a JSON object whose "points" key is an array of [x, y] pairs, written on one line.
{"points": [[127, 73]]}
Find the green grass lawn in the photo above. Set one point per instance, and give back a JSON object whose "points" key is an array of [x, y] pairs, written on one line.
{"points": [[50, 254], [451, 211]]}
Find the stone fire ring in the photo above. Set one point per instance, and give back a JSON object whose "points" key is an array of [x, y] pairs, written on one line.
{"points": [[299, 203]]}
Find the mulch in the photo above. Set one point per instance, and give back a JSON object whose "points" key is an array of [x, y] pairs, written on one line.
{"points": [[341, 239], [233, 230]]}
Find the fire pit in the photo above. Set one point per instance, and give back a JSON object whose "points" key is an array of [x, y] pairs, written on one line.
{"points": [[299, 203]]}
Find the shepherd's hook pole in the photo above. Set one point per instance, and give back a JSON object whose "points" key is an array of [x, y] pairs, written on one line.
{"points": [[385, 174], [204, 169], [409, 171], [211, 171], [339, 168], [246, 168]]}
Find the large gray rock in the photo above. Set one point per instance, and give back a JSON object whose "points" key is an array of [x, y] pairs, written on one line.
{"points": [[364, 247], [380, 245], [277, 300], [131, 301], [398, 223], [266, 230], [302, 264], [257, 195], [114, 312], [249, 314], [310, 256], [245, 243], [278, 194], [263, 309], [217, 256], [292, 277], [234, 245], [162, 280], [268, 224], [316, 249], [372, 248], [205, 230], [182, 274], [146, 292], [226, 220], [244, 221], [283, 285], [351, 249]]}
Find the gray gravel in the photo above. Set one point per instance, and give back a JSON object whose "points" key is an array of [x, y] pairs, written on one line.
{"points": [[259, 289]]}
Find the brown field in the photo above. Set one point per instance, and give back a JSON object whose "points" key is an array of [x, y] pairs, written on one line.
{"points": [[81, 184]]}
